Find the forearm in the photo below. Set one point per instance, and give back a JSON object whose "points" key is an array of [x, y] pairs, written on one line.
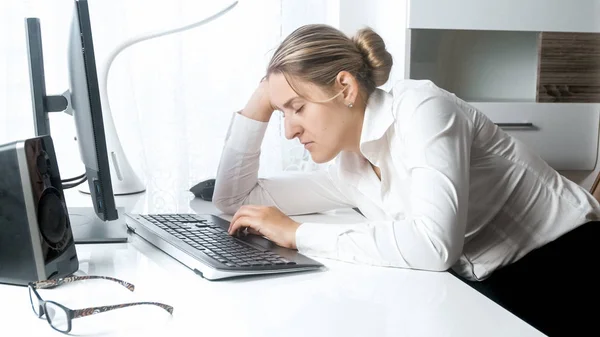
{"points": [[237, 174], [402, 244]]}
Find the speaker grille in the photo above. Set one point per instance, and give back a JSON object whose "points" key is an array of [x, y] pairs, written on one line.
{"points": [[52, 214], [52, 219]]}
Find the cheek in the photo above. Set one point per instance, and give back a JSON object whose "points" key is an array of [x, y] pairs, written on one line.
{"points": [[320, 126], [324, 125], [330, 129]]}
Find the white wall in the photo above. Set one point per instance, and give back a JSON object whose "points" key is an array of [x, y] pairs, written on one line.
{"points": [[387, 18]]}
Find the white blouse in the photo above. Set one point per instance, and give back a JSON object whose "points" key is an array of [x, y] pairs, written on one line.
{"points": [[456, 191]]}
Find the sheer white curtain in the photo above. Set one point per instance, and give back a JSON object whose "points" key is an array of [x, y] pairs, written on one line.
{"points": [[172, 97]]}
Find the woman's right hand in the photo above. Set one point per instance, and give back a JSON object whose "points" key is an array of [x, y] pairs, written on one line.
{"points": [[259, 105]]}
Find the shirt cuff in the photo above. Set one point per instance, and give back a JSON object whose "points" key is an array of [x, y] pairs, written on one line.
{"points": [[246, 134]]}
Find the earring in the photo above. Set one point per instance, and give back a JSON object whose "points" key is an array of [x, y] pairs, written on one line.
{"points": [[350, 105]]}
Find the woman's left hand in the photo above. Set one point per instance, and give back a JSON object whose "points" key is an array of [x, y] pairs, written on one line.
{"points": [[267, 221]]}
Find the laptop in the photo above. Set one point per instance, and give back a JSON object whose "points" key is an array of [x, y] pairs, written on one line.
{"points": [[201, 242]]}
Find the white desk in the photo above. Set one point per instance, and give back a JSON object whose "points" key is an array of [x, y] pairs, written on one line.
{"points": [[344, 300]]}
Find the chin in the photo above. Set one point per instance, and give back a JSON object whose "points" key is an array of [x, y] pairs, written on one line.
{"points": [[320, 157]]}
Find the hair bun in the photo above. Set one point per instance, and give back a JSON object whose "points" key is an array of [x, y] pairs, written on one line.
{"points": [[376, 57]]}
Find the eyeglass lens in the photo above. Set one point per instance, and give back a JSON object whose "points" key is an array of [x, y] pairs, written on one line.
{"points": [[57, 316]]}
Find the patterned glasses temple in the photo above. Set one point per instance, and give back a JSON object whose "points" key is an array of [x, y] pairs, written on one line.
{"points": [[96, 310], [49, 284]]}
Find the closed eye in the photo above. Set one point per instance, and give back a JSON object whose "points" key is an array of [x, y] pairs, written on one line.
{"points": [[295, 112]]}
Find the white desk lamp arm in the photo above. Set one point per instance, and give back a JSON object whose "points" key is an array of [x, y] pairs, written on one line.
{"points": [[124, 179], [148, 36]]}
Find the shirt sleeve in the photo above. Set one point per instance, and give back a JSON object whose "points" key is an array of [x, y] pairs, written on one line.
{"points": [[237, 182], [431, 236]]}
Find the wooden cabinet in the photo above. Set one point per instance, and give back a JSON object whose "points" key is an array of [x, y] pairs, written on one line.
{"points": [[569, 67]]}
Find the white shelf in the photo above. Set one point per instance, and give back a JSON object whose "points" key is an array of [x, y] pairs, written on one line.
{"points": [[477, 65], [514, 15]]}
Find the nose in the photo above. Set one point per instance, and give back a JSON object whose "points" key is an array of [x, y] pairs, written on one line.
{"points": [[292, 128]]}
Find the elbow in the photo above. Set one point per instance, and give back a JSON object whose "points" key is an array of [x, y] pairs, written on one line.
{"points": [[443, 264], [432, 258], [228, 200], [223, 201], [443, 244], [433, 262], [226, 206], [443, 256], [433, 249]]}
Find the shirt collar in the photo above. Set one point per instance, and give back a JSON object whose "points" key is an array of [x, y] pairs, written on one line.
{"points": [[378, 116]]}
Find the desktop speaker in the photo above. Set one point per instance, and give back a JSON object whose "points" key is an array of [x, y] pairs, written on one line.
{"points": [[36, 241]]}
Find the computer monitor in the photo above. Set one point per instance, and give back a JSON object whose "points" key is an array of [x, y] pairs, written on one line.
{"points": [[92, 224]]}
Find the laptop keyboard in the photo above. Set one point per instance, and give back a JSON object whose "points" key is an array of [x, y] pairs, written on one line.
{"points": [[214, 241]]}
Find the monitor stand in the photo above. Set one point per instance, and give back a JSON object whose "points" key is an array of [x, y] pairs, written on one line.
{"points": [[88, 228]]}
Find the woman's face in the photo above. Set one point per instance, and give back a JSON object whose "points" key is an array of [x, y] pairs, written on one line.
{"points": [[324, 129]]}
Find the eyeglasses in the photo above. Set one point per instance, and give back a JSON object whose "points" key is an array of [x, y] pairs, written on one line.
{"points": [[59, 317]]}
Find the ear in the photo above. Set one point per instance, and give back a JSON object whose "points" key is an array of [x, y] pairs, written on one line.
{"points": [[348, 83]]}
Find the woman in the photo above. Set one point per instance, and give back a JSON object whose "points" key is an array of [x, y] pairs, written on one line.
{"points": [[440, 185]]}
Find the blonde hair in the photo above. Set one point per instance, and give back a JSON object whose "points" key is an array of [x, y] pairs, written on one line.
{"points": [[316, 53]]}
